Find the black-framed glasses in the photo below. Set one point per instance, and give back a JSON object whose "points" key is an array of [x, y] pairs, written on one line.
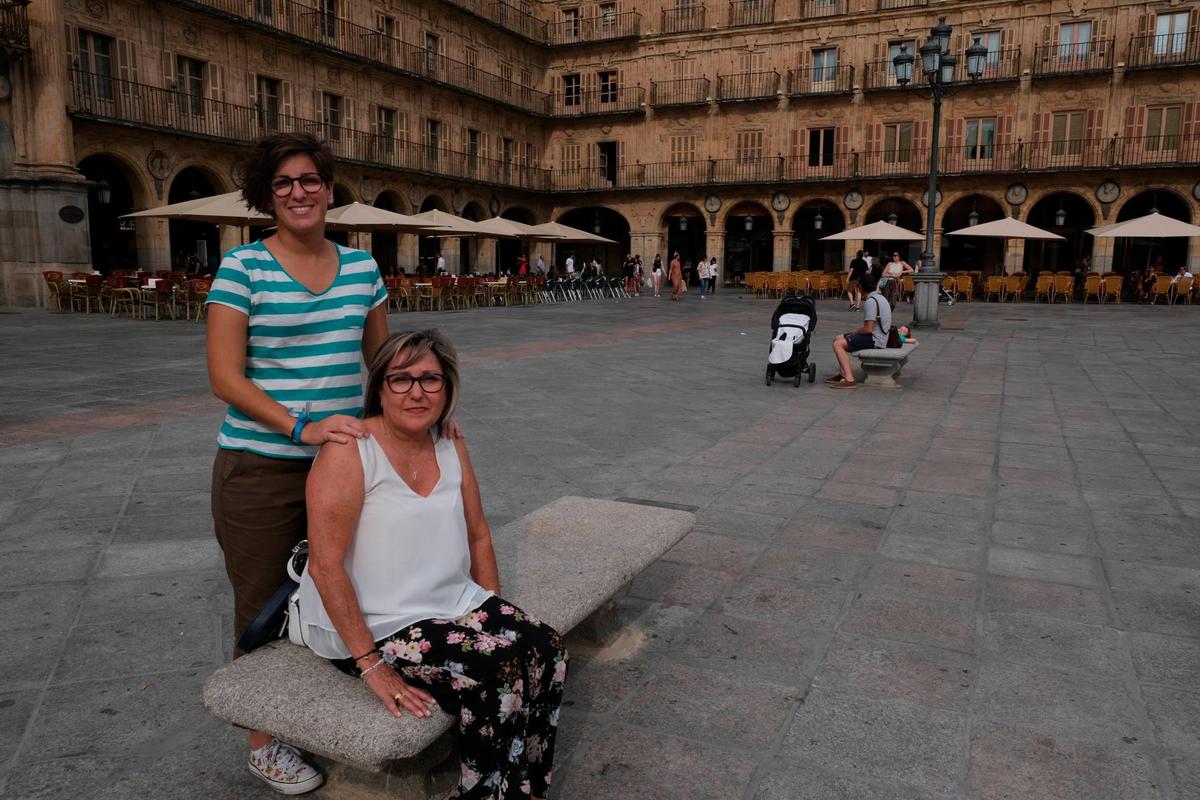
{"points": [[281, 185], [431, 383]]}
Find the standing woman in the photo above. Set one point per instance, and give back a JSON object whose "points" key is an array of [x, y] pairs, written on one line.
{"points": [[657, 275], [290, 320], [676, 277]]}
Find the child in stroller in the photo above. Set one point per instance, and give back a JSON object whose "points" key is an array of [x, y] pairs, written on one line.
{"points": [[792, 326]]}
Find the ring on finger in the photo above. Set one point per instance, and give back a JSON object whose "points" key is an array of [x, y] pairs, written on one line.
{"points": [[398, 697]]}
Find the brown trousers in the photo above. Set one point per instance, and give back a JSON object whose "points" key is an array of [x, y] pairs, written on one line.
{"points": [[259, 515]]}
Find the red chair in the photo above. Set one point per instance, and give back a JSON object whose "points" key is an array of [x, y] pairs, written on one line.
{"points": [[89, 292], [57, 286]]}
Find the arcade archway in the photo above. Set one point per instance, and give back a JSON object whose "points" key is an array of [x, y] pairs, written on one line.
{"points": [[971, 253], [686, 231], [905, 214], [113, 240], [1068, 215], [811, 222], [341, 197], [509, 251], [195, 246], [603, 222], [748, 241], [1134, 255], [468, 246], [385, 245]]}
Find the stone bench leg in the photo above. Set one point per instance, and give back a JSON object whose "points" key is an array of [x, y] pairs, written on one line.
{"points": [[881, 373], [430, 776]]}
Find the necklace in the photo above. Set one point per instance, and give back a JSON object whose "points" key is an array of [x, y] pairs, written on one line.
{"points": [[411, 463]]}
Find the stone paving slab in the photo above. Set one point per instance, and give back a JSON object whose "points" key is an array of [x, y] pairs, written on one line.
{"points": [[983, 586]]}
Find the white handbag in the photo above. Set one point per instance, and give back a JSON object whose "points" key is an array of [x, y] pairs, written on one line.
{"points": [[295, 569]]}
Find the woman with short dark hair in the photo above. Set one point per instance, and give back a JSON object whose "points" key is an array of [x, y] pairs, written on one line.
{"points": [[290, 320], [402, 587]]}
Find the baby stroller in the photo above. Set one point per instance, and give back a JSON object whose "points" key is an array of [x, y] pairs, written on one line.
{"points": [[792, 326]]}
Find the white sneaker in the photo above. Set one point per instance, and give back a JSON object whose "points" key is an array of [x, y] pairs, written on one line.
{"points": [[283, 768]]}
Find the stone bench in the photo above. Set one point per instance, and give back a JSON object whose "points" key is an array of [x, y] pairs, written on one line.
{"points": [[883, 365], [562, 563]]}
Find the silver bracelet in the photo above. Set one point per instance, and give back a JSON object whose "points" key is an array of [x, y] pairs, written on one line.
{"points": [[371, 669]]}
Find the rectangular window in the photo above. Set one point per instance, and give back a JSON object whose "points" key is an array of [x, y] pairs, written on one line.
{"points": [[506, 78], [1170, 33], [432, 44], [608, 17], [683, 68], [530, 157], [897, 143], [385, 129], [572, 90], [1074, 40], [991, 40], [909, 46], [749, 145], [332, 105], [329, 19], [683, 148], [95, 60], [433, 140], [608, 86], [1067, 133], [385, 26], [824, 64], [189, 78], [266, 102], [569, 160], [820, 147], [473, 146], [471, 57], [1162, 128], [980, 138], [506, 150], [571, 20], [607, 157]]}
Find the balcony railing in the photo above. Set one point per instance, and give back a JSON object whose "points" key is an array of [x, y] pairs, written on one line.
{"points": [[682, 19], [601, 28], [518, 21], [173, 112], [885, 5], [747, 86], [614, 100], [681, 92], [14, 28], [820, 80], [1000, 65], [751, 12], [816, 9], [1168, 50], [308, 25], [881, 74], [1074, 59]]}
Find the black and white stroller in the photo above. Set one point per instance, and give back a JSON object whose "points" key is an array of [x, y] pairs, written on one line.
{"points": [[792, 327]]}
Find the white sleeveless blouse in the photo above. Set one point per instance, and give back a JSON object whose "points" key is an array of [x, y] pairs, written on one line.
{"points": [[409, 559]]}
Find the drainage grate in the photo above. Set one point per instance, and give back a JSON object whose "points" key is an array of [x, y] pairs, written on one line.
{"points": [[640, 501]]}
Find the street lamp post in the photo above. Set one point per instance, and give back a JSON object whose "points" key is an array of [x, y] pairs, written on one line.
{"points": [[938, 65]]}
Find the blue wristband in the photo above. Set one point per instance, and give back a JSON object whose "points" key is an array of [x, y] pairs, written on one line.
{"points": [[301, 421]]}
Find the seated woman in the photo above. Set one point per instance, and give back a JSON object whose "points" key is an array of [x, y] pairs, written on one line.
{"points": [[402, 586]]}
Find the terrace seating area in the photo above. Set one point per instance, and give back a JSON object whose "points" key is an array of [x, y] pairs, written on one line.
{"points": [[165, 294]]}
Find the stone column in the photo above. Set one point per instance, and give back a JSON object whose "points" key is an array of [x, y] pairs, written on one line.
{"points": [[485, 256], [42, 130], [1193, 255], [1014, 255], [714, 244], [852, 248], [781, 251], [1102, 253], [646, 244], [409, 248]]}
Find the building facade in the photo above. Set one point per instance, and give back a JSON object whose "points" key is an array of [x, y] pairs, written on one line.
{"points": [[746, 130]]}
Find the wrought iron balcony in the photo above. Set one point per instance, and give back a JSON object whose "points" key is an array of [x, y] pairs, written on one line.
{"points": [[517, 21], [821, 80], [886, 5], [682, 19], [682, 92], [751, 12], [596, 102], [602, 28], [14, 28], [340, 36], [816, 9], [747, 86], [1168, 50], [104, 98], [881, 74], [1000, 65], [1074, 59]]}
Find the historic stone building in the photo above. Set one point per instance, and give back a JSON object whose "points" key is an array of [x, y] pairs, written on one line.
{"points": [[745, 129]]}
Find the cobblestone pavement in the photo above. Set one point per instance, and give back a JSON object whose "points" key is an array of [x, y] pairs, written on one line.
{"points": [[985, 585]]}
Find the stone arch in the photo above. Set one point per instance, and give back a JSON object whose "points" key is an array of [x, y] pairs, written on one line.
{"points": [[811, 221], [190, 241], [113, 241], [749, 240], [1079, 214], [604, 221], [1166, 255], [903, 212], [970, 253], [683, 227], [385, 245]]}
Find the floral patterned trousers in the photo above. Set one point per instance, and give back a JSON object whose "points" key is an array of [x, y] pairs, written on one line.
{"points": [[501, 672]]}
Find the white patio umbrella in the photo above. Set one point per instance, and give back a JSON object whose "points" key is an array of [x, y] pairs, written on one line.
{"points": [[1151, 226], [500, 225], [876, 232], [1007, 228], [566, 233], [443, 224], [362, 217], [221, 209]]}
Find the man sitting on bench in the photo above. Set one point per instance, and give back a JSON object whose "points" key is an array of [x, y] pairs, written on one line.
{"points": [[877, 321], [402, 587]]}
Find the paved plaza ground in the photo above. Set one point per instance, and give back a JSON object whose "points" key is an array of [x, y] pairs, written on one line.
{"points": [[984, 585]]}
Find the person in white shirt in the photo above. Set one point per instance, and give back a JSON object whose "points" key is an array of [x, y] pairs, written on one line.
{"points": [[441, 264], [702, 275], [713, 274], [571, 265], [1183, 273], [541, 265]]}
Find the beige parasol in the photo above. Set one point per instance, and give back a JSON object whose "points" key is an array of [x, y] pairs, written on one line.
{"points": [[1151, 226], [1007, 228], [361, 217], [876, 232], [443, 224], [565, 233], [221, 209]]}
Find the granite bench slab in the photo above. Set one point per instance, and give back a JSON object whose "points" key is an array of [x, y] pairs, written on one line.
{"points": [[560, 563], [883, 365]]}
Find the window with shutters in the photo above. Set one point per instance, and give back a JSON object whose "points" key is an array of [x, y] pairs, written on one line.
{"points": [[980, 138], [506, 150], [608, 17], [1066, 133], [530, 154], [433, 140], [824, 64], [683, 68], [820, 147], [753, 61], [266, 102], [385, 128], [473, 148], [992, 40], [569, 156], [332, 108], [572, 89], [329, 19], [683, 148], [749, 145], [506, 74], [897, 143], [432, 44], [909, 46], [571, 22], [1170, 33], [95, 60], [471, 59], [386, 27], [189, 81], [608, 85], [1074, 40], [1163, 125]]}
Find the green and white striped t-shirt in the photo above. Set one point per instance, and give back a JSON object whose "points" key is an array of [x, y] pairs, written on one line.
{"points": [[301, 348]]}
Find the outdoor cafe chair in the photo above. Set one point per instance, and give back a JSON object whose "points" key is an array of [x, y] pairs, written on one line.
{"points": [[1064, 287], [1093, 287], [1014, 286], [994, 286], [162, 297], [1044, 287], [1113, 284], [123, 296], [949, 283], [90, 291], [57, 286], [1162, 288], [1182, 288], [195, 296], [964, 287]]}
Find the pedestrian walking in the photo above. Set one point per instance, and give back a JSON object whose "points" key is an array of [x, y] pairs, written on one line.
{"points": [[676, 277], [656, 275], [859, 266], [713, 274], [702, 276]]}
